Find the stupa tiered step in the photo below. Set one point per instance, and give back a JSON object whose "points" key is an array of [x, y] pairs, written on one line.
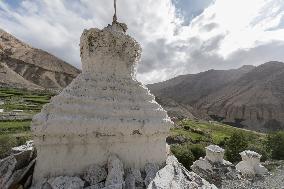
{"points": [[103, 111]]}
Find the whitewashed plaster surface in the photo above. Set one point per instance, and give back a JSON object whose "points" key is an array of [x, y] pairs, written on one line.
{"points": [[105, 110], [250, 164]]}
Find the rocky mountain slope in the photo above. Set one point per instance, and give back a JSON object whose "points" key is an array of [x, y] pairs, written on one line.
{"points": [[35, 65], [10, 79], [249, 97]]}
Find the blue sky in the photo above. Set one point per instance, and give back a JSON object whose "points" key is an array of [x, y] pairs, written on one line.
{"points": [[177, 36], [189, 9]]}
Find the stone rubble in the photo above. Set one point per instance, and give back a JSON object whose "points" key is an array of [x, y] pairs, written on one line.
{"points": [[151, 169], [172, 176], [16, 170], [115, 172], [95, 174], [175, 176]]}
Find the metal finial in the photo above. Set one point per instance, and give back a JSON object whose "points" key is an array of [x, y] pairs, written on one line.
{"points": [[114, 16]]}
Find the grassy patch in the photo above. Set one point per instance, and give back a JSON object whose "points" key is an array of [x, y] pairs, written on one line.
{"points": [[204, 133], [11, 127], [15, 133], [11, 140], [212, 132]]}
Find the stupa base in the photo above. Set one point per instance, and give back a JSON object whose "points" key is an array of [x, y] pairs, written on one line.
{"points": [[71, 155]]}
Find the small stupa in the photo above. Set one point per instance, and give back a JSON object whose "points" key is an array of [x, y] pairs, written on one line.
{"points": [[104, 111]]}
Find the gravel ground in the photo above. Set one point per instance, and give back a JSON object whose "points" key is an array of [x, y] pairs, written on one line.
{"points": [[273, 181]]}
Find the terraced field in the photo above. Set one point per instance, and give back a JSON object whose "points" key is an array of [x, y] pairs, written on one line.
{"points": [[18, 107]]}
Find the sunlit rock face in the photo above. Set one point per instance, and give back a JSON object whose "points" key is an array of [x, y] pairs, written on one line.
{"points": [[104, 111]]}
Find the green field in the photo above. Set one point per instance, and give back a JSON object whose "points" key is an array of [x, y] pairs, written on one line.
{"points": [[193, 136], [214, 133], [16, 132], [28, 101]]}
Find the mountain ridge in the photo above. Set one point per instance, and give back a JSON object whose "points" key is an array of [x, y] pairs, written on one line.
{"points": [[249, 97], [35, 65]]}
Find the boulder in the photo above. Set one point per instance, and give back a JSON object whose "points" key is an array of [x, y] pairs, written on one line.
{"points": [[174, 175], [96, 186], [65, 182], [28, 146], [150, 169], [133, 179], [115, 172], [18, 176], [95, 174], [115, 186], [7, 167]]}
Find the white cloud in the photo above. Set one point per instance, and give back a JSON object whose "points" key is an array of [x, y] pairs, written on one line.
{"points": [[217, 38]]}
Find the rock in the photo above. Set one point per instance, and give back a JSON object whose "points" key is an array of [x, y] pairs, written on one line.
{"points": [[130, 181], [150, 169], [20, 187], [28, 182], [250, 164], [65, 182], [28, 146], [45, 185], [133, 179], [24, 154], [114, 186], [115, 171], [18, 176], [95, 174], [174, 175], [23, 158], [96, 186], [7, 167]]}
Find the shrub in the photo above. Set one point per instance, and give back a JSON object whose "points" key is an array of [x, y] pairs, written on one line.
{"points": [[197, 151], [183, 154], [275, 144], [186, 127], [237, 143], [261, 150]]}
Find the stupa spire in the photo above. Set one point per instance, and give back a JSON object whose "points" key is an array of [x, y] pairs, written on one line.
{"points": [[114, 16]]}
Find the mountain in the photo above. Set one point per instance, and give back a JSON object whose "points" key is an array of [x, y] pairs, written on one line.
{"points": [[35, 65], [10, 79], [248, 97]]}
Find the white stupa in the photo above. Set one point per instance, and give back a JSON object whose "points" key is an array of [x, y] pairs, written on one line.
{"points": [[104, 111]]}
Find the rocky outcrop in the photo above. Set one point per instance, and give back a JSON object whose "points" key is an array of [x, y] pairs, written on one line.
{"points": [[104, 111], [16, 170], [250, 165], [36, 66], [174, 175]]}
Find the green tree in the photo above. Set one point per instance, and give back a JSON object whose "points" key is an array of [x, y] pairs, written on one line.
{"points": [[237, 143], [275, 144]]}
